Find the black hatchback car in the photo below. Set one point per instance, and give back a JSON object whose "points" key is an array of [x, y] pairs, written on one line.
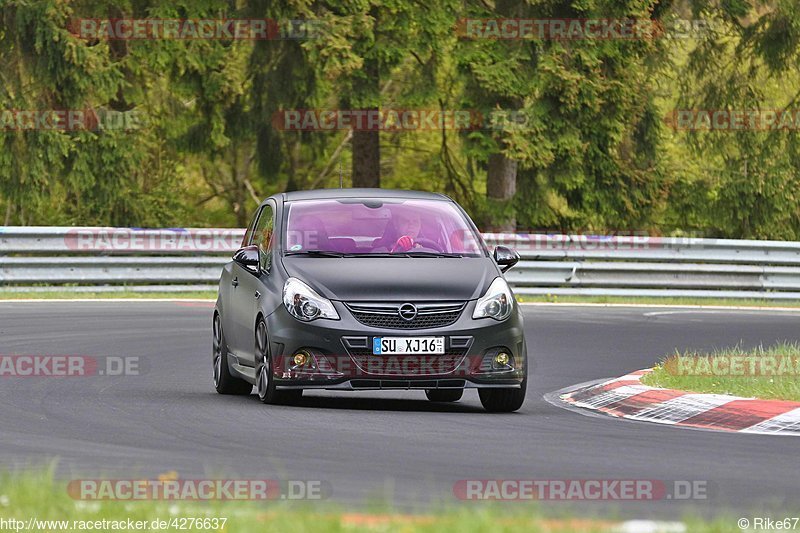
{"points": [[368, 289]]}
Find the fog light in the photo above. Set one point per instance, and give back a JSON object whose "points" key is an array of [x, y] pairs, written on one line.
{"points": [[300, 359], [497, 359]]}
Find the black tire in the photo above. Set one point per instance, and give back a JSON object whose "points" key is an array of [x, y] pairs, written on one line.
{"points": [[224, 381], [503, 400], [444, 395], [265, 382]]}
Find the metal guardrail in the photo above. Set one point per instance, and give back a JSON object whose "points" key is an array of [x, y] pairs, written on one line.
{"points": [[165, 260], [102, 259]]}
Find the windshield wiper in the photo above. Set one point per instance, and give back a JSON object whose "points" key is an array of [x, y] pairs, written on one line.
{"points": [[381, 254], [316, 253], [432, 254]]}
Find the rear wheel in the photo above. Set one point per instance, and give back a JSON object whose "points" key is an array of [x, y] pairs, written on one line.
{"points": [[224, 381], [503, 400], [444, 395], [265, 379]]}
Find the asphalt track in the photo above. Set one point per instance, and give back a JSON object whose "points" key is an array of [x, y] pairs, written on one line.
{"points": [[381, 445]]}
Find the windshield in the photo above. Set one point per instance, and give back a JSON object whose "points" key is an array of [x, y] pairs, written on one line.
{"points": [[374, 226]]}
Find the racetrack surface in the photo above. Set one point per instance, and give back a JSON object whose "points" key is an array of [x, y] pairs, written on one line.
{"points": [[380, 445]]}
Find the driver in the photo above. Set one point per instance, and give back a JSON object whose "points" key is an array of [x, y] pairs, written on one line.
{"points": [[408, 224]]}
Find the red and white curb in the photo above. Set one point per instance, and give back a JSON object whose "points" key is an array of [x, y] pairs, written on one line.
{"points": [[627, 398]]}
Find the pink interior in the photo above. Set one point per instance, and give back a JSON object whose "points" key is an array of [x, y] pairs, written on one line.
{"points": [[373, 226]]}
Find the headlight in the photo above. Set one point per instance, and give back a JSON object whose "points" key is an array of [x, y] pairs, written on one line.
{"points": [[497, 303], [304, 303]]}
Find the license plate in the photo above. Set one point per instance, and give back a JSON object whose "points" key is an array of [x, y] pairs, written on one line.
{"points": [[408, 345]]}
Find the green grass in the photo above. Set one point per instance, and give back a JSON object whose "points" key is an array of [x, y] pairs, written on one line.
{"points": [[776, 375], [72, 295], [729, 302], [38, 495]]}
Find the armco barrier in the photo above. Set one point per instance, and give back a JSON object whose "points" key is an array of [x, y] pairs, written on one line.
{"points": [[114, 259]]}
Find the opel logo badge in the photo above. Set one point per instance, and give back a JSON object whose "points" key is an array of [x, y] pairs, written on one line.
{"points": [[408, 312]]}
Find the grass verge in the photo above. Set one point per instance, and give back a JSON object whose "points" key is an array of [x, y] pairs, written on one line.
{"points": [[771, 372], [38, 496]]}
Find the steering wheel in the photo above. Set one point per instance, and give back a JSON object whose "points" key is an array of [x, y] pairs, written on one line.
{"points": [[430, 243]]}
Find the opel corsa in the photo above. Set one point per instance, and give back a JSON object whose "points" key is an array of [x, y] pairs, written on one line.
{"points": [[368, 289]]}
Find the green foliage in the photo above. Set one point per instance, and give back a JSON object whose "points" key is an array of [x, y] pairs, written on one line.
{"points": [[105, 176], [593, 150], [750, 177]]}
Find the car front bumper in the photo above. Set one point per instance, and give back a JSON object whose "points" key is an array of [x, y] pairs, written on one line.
{"points": [[341, 356]]}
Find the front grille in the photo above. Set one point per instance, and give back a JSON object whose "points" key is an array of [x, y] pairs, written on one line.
{"points": [[387, 315], [407, 365]]}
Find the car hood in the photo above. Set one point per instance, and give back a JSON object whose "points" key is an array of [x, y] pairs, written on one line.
{"points": [[394, 278]]}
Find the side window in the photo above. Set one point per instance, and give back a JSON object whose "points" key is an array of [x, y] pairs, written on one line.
{"points": [[248, 235], [262, 236]]}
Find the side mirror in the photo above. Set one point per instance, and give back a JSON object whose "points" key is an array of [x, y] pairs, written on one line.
{"points": [[247, 257], [505, 257]]}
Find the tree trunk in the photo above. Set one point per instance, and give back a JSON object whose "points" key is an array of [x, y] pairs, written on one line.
{"points": [[501, 176], [366, 143], [501, 186], [366, 159]]}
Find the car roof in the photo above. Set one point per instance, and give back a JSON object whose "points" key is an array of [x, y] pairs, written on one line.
{"points": [[332, 194]]}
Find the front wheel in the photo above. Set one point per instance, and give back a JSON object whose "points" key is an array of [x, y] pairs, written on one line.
{"points": [[444, 395], [265, 379], [224, 381], [503, 400]]}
